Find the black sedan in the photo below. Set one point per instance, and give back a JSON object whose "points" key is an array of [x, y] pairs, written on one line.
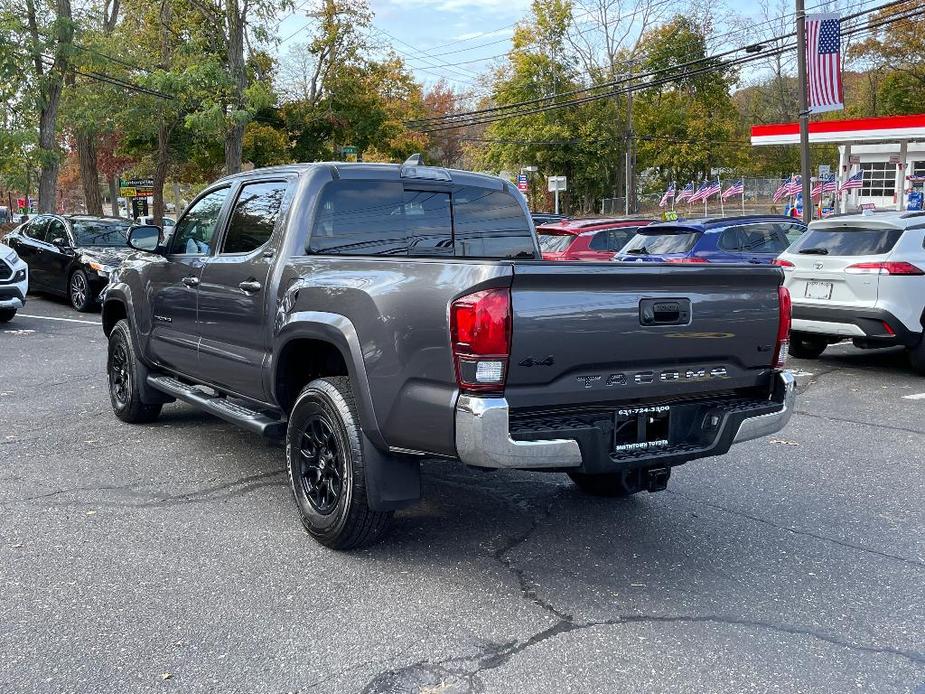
{"points": [[71, 255]]}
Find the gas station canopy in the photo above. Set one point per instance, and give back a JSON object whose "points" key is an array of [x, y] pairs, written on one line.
{"points": [[851, 131]]}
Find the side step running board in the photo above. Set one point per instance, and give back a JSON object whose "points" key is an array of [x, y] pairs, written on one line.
{"points": [[219, 406]]}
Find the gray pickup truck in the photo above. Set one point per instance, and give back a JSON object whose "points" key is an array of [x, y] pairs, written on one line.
{"points": [[375, 317]]}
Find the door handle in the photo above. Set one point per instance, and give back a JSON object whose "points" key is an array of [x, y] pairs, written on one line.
{"points": [[250, 286], [190, 281]]}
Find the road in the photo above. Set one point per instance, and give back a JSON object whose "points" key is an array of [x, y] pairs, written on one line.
{"points": [[169, 557]]}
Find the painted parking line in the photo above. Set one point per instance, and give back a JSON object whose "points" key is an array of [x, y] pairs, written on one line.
{"points": [[916, 396], [66, 320]]}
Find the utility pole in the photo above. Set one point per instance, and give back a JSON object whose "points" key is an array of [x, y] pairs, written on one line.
{"points": [[629, 206], [805, 173]]}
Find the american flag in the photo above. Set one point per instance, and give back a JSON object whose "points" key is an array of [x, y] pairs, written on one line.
{"points": [[706, 189], [685, 193], [667, 196], [795, 187], [782, 191], [823, 63], [698, 196], [855, 181], [737, 188], [829, 184]]}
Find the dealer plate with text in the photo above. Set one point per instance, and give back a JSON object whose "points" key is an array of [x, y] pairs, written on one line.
{"points": [[818, 290], [641, 428]]}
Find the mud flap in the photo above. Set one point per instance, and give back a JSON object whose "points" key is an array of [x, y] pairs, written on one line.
{"points": [[392, 481]]}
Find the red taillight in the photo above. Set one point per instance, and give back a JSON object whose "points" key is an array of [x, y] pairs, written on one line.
{"points": [[886, 268], [480, 326], [786, 264], [888, 329], [686, 261], [782, 348]]}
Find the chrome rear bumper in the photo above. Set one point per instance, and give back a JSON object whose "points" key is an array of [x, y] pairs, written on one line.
{"points": [[483, 436]]}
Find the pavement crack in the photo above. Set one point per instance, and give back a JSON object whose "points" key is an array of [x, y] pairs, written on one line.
{"points": [[806, 533], [235, 488]]}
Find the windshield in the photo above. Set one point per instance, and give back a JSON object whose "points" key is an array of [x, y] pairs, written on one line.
{"points": [[847, 241], [101, 232], [554, 243], [646, 243]]}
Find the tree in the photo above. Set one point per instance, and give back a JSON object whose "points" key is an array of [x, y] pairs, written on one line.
{"points": [[896, 53], [52, 30], [687, 126]]}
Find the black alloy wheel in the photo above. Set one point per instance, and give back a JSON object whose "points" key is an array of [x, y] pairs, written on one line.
{"points": [[78, 291], [322, 464], [120, 378]]}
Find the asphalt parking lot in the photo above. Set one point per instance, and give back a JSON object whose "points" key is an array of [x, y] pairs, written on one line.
{"points": [[168, 557]]}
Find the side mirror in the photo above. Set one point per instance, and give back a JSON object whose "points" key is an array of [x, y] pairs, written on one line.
{"points": [[145, 237]]}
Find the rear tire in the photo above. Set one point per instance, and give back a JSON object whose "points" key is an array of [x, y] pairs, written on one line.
{"points": [[611, 484], [917, 357], [807, 347], [125, 374], [6, 314], [327, 474]]}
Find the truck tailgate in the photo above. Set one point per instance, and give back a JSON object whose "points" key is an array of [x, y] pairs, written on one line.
{"points": [[618, 332]]}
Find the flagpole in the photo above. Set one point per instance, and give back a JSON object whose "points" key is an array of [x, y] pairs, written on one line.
{"points": [[722, 204], [804, 111], [743, 195]]}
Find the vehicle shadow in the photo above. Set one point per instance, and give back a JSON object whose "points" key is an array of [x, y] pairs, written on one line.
{"points": [[891, 359]]}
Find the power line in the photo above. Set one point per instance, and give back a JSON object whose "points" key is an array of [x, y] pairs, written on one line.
{"points": [[614, 83], [440, 126]]}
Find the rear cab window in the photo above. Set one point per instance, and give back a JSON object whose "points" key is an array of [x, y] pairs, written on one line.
{"points": [[657, 241], [848, 241], [363, 217]]}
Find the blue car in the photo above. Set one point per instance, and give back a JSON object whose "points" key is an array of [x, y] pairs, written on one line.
{"points": [[748, 239]]}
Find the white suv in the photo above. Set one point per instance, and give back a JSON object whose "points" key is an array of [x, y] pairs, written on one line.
{"points": [[858, 277], [14, 283]]}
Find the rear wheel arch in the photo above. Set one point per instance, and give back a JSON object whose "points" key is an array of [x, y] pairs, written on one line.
{"points": [[301, 360]]}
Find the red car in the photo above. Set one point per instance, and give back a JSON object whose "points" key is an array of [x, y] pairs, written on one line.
{"points": [[587, 239]]}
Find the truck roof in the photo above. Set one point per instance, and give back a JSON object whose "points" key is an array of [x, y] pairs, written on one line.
{"points": [[365, 170]]}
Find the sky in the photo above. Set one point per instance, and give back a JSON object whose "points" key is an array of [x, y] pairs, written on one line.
{"points": [[451, 39]]}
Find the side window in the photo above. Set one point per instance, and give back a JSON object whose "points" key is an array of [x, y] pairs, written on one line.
{"points": [[490, 224], [55, 230], [36, 228], [194, 233], [731, 240], [254, 216], [599, 242], [620, 237], [767, 237], [793, 232], [360, 218]]}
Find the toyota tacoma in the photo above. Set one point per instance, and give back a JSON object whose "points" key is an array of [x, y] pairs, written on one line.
{"points": [[375, 317]]}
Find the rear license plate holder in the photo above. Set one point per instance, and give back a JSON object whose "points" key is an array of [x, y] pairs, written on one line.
{"points": [[818, 290], [641, 428]]}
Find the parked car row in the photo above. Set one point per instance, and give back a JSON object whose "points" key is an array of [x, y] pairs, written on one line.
{"points": [[752, 239]]}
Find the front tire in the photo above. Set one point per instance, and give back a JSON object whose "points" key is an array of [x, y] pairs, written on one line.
{"points": [[79, 292], [125, 374], [917, 357], [806, 346], [327, 475], [6, 314]]}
